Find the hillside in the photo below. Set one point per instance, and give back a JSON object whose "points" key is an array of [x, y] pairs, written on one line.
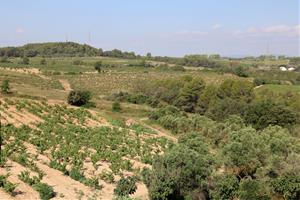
{"points": [[51, 49], [146, 126]]}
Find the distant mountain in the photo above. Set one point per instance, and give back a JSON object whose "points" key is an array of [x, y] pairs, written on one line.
{"points": [[51, 49]]}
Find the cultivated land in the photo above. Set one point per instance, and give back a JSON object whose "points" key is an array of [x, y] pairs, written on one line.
{"points": [[82, 153]]}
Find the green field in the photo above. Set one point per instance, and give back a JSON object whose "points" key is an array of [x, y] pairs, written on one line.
{"points": [[281, 88]]}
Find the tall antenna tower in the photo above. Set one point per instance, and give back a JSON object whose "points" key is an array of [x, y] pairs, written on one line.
{"points": [[67, 38]]}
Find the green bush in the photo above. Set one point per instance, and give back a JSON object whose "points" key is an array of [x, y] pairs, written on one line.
{"points": [[43, 61], [25, 61], [4, 59], [6, 185], [46, 192], [76, 174], [78, 62], [5, 88], [79, 97], [125, 186], [288, 186], [179, 172], [98, 66], [225, 187], [116, 107]]}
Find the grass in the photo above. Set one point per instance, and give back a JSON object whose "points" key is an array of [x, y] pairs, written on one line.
{"points": [[281, 88]]}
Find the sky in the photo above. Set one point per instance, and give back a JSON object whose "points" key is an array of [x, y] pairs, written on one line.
{"points": [[162, 27]]}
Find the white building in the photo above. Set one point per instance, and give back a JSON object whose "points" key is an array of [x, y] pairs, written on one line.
{"points": [[284, 69], [291, 69]]}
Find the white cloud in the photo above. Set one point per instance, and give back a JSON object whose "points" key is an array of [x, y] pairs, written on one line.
{"points": [[216, 26], [191, 33], [276, 30], [19, 30]]}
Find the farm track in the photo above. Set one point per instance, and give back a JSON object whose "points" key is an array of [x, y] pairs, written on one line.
{"points": [[159, 132], [66, 85]]}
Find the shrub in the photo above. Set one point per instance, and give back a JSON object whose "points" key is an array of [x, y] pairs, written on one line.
{"points": [[226, 187], [146, 176], [179, 172], [78, 62], [25, 61], [76, 174], [116, 107], [4, 59], [97, 66], [125, 186], [7, 186], [264, 113], [43, 61], [5, 88], [252, 190], [79, 97], [46, 192], [288, 186], [259, 81]]}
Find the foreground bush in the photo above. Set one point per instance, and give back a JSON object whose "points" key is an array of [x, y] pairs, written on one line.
{"points": [[79, 97], [5, 88], [116, 107], [46, 191], [182, 172], [125, 186]]}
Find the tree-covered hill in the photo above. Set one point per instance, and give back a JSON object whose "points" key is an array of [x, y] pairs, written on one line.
{"points": [[51, 49]]}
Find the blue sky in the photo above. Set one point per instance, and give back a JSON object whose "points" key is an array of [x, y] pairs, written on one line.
{"points": [[163, 27]]}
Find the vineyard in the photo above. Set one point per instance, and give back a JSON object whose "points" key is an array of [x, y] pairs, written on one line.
{"points": [[54, 150]]}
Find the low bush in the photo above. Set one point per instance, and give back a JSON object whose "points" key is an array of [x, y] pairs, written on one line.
{"points": [[46, 192], [125, 186], [116, 106], [79, 97]]}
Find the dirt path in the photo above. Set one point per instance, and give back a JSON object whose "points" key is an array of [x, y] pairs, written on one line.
{"points": [[4, 195], [257, 87], [159, 132], [32, 70], [66, 85]]}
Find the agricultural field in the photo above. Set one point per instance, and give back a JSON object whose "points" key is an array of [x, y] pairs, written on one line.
{"points": [[77, 151], [147, 129]]}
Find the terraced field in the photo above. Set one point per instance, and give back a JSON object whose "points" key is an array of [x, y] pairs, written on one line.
{"points": [[74, 150]]}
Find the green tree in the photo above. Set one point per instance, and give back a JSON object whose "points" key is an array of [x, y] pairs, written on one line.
{"points": [[189, 95], [98, 66], [236, 89], [43, 61], [79, 97], [252, 190], [4, 59], [245, 151], [225, 187], [208, 97], [148, 55], [5, 87], [179, 173], [288, 186], [116, 106], [25, 60], [267, 112]]}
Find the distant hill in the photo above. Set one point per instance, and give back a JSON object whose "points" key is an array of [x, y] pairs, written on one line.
{"points": [[51, 49]]}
